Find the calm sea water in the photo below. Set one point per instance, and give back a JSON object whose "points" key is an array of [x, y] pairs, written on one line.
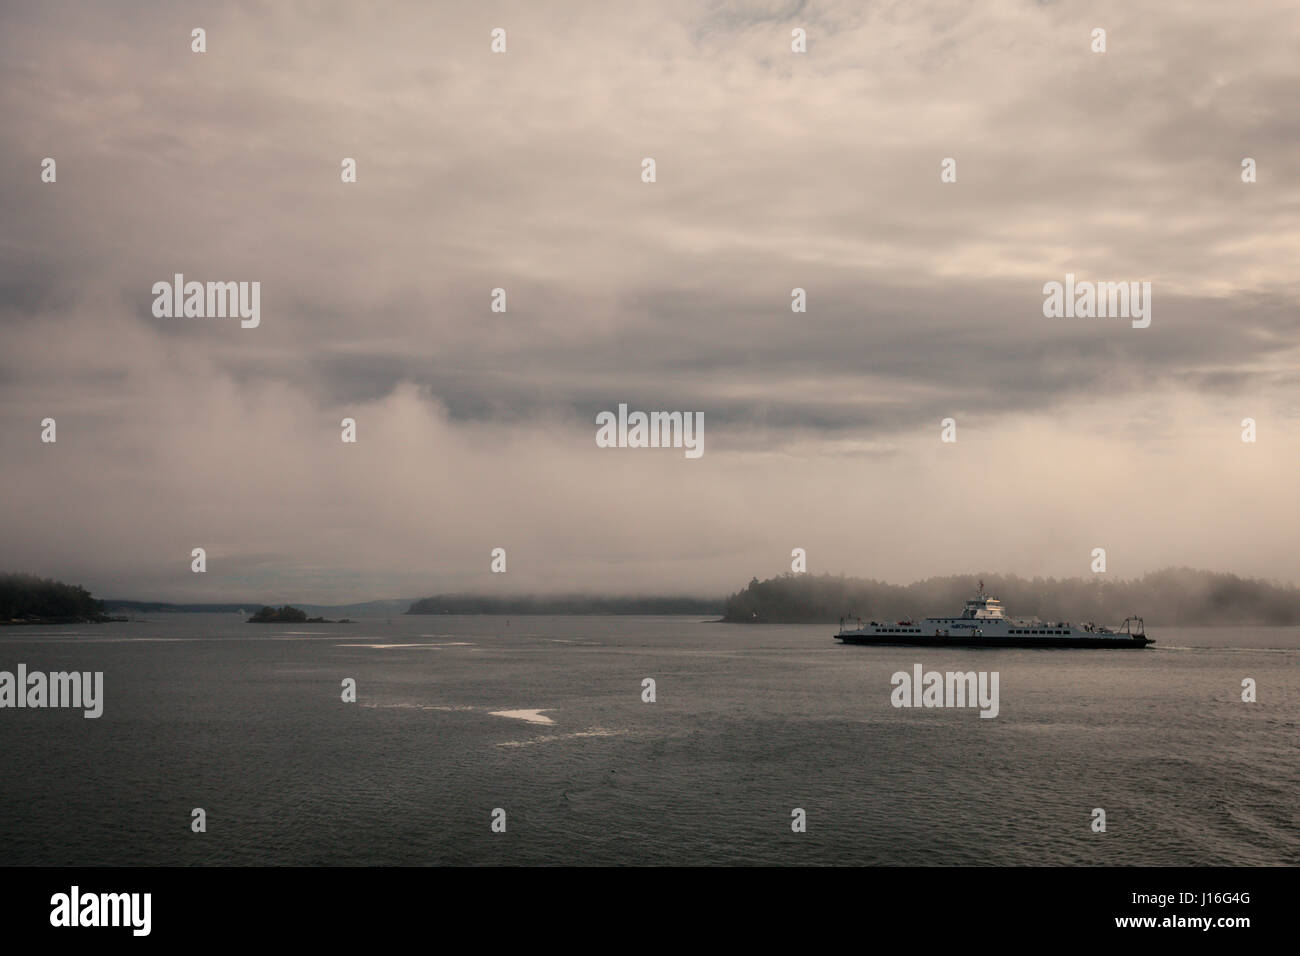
{"points": [[246, 722]]}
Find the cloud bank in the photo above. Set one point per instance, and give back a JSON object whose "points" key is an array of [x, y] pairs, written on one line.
{"points": [[522, 171]]}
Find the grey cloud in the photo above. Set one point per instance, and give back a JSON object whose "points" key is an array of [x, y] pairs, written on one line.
{"points": [[522, 171]]}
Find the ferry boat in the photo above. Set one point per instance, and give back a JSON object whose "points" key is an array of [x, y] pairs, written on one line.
{"points": [[983, 623]]}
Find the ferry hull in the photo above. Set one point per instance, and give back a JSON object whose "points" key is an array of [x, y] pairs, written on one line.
{"points": [[1011, 640]]}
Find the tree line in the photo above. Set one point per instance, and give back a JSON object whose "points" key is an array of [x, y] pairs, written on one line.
{"points": [[27, 599], [1173, 596], [562, 604]]}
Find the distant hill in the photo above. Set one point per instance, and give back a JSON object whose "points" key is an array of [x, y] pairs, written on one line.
{"points": [[27, 599], [1173, 596], [161, 607], [563, 604]]}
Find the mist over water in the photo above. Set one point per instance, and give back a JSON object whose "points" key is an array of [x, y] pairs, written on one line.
{"points": [[749, 723]]}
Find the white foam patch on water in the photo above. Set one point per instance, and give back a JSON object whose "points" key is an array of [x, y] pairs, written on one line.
{"points": [[552, 737], [390, 646], [152, 640], [400, 705], [277, 637], [532, 716]]}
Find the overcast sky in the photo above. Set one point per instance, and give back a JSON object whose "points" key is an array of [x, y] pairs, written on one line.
{"points": [[522, 170]]}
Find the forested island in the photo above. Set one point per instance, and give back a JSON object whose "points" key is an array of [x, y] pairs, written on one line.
{"points": [[288, 615], [582, 604], [27, 599], [1173, 596], [278, 615]]}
